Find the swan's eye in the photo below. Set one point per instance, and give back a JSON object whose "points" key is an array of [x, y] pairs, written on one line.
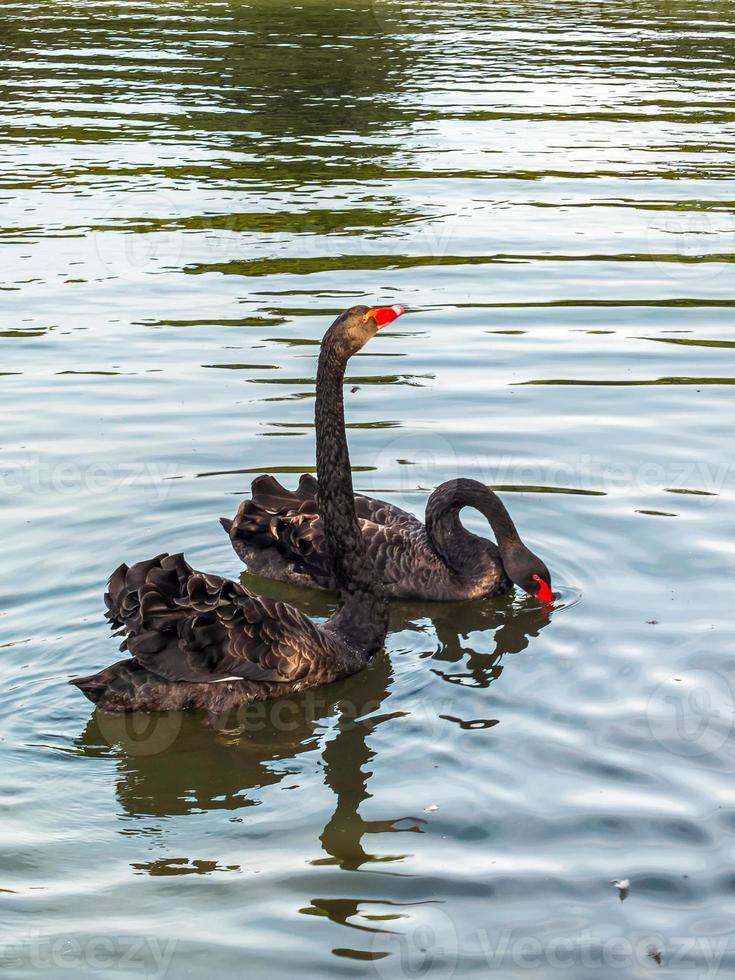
{"points": [[544, 593]]}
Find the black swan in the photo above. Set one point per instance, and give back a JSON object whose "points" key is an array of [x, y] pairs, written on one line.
{"points": [[200, 641], [278, 534]]}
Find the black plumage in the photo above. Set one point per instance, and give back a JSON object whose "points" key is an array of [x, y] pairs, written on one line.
{"points": [[200, 641], [278, 533]]}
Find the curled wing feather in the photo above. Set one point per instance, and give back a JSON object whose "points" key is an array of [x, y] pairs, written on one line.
{"points": [[185, 625], [288, 521]]}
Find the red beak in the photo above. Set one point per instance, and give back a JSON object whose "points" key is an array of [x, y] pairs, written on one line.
{"points": [[383, 315], [544, 593]]}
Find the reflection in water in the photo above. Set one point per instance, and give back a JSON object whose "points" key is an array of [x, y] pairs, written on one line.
{"points": [[196, 767], [457, 628], [346, 758], [556, 174], [186, 763]]}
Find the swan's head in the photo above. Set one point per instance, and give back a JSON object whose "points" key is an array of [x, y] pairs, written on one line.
{"points": [[356, 326], [529, 573]]}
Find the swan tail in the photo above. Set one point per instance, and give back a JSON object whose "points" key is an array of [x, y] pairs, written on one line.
{"points": [[111, 688], [286, 521], [128, 686], [270, 495], [91, 687]]}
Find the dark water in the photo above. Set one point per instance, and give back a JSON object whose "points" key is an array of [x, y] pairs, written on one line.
{"points": [[190, 192]]}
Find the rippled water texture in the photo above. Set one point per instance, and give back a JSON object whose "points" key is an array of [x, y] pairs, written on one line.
{"points": [[190, 192]]}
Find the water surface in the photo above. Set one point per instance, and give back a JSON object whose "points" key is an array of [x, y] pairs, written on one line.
{"points": [[189, 193]]}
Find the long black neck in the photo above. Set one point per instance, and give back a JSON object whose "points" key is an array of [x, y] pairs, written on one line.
{"points": [[454, 544], [363, 616]]}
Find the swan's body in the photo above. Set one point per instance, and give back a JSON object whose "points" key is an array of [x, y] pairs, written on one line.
{"points": [[200, 641], [278, 534]]}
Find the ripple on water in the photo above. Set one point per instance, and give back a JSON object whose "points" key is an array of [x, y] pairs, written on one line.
{"points": [[178, 226]]}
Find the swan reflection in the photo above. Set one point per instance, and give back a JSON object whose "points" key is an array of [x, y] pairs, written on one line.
{"points": [[327, 737], [180, 763]]}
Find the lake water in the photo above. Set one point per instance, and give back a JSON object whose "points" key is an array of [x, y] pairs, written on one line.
{"points": [[190, 193]]}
